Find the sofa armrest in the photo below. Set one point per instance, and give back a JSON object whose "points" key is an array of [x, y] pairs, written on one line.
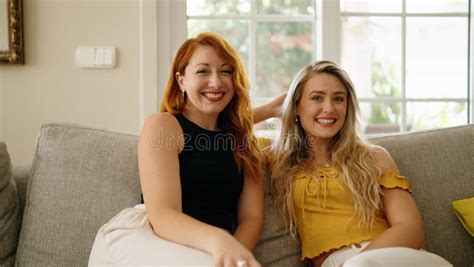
{"points": [[21, 175]]}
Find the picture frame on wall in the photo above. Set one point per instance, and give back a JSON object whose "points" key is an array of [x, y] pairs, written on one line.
{"points": [[11, 32]]}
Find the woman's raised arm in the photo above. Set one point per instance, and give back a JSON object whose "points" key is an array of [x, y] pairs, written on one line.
{"points": [[268, 110]]}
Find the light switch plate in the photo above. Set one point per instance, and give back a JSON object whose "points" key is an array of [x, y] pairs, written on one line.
{"points": [[95, 57]]}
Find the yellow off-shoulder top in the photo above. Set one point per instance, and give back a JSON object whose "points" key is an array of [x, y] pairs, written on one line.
{"points": [[325, 213]]}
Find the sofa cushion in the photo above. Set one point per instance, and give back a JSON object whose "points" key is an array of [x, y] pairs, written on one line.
{"points": [[276, 247], [21, 175], [440, 165], [9, 210], [80, 178]]}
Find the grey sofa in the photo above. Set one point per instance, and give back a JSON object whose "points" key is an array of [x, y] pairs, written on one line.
{"points": [[81, 177]]}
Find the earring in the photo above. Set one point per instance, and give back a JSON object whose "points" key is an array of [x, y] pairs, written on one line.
{"points": [[185, 95], [296, 119]]}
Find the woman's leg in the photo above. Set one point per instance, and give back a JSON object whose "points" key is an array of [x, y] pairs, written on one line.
{"points": [[127, 239], [396, 256], [338, 257]]}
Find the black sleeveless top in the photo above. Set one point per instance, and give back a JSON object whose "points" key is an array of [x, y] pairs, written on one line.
{"points": [[211, 182]]}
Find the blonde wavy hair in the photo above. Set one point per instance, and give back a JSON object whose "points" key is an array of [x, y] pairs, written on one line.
{"points": [[237, 117], [349, 152]]}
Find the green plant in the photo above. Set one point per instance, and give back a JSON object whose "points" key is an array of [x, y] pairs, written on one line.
{"points": [[384, 85]]}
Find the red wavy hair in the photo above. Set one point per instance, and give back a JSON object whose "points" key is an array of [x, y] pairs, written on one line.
{"points": [[237, 117]]}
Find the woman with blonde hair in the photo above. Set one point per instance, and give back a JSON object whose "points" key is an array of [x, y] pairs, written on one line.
{"points": [[340, 193], [200, 170]]}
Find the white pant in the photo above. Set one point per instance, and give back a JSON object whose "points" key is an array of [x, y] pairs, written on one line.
{"points": [[128, 240], [383, 257], [340, 256]]}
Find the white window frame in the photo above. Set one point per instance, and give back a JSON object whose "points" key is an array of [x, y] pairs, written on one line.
{"points": [[471, 60], [171, 28], [172, 31], [334, 13]]}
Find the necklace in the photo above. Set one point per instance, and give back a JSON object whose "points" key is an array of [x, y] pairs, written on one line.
{"points": [[321, 159], [326, 164]]}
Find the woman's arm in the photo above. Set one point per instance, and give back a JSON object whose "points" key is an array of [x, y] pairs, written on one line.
{"points": [[250, 213], [161, 141], [406, 225], [268, 110]]}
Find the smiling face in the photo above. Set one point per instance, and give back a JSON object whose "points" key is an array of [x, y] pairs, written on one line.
{"points": [[207, 81], [323, 106]]}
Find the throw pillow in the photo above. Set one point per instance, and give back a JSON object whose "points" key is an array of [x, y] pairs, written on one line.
{"points": [[9, 210], [464, 209]]}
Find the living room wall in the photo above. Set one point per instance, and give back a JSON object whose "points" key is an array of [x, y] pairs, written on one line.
{"points": [[50, 88]]}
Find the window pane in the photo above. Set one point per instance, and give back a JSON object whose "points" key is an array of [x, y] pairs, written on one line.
{"points": [[235, 31], [282, 49], [436, 57], [268, 128], [371, 54], [217, 7], [380, 117], [285, 7], [422, 116], [385, 6], [435, 6]]}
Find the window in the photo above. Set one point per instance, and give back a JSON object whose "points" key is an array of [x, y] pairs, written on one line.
{"points": [[274, 38], [409, 59]]}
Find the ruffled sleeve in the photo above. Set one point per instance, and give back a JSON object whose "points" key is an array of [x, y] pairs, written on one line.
{"points": [[392, 180]]}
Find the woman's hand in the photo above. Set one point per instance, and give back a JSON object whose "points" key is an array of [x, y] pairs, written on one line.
{"points": [[226, 251], [269, 110], [275, 105]]}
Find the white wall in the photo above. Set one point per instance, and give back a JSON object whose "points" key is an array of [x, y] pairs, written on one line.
{"points": [[50, 88]]}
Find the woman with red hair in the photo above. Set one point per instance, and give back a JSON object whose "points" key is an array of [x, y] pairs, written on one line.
{"points": [[200, 170]]}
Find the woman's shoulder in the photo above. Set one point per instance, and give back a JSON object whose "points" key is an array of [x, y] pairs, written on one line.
{"points": [[383, 159], [162, 127], [162, 120], [162, 124]]}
